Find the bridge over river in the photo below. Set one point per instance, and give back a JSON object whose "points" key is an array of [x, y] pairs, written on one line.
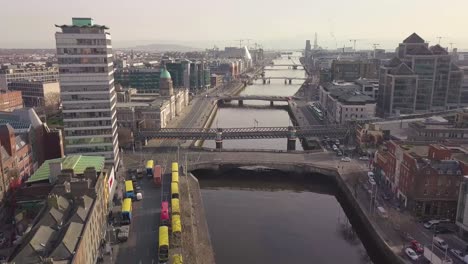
{"points": [[220, 134]]}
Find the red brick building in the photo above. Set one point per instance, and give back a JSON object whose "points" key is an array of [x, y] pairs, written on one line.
{"points": [[425, 179], [16, 159], [10, 101]]}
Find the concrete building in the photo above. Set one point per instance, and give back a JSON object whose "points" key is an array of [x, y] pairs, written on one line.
{"points": [[16, 158], [84, 53], [37, 94], [438, 129], [345, 102], [73, 222], [369, 87], [424, 178], [350, 70], [419, 79], [13, 73], [10, 101], [216, 80]]}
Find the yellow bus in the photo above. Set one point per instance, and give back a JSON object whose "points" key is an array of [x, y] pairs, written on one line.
{"points": [[175, 167], [129, 193], [176, 224], [175, 176], [174, 190], [175, 206], [163, 249], [126, 211], [177, 259], [149, 168]]}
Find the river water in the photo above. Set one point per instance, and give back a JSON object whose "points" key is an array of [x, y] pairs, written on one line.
{"points": [[256, 220]]}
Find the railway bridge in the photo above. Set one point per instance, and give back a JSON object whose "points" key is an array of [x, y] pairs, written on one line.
{"points": [[291, 133], [241, 99]]}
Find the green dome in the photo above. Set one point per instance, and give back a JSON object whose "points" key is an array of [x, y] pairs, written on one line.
{"points": [[165, 74]]}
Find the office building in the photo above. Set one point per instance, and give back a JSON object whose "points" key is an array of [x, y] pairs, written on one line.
{"points": [[144, 79], [14, 73], [10, 101], [369, 87], [419, 79], [345, 102], [350, 70], [84, 53], [37, 94]]}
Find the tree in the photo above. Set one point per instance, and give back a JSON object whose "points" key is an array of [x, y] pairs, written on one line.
{"points": [[51, 103]]}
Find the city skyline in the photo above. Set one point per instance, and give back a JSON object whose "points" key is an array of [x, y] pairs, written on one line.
{"points": [[275, 25]]}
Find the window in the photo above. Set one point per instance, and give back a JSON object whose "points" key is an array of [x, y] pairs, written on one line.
{"points": [[425, 192], [458, 172], [428, 172], [449, 172], [426, 182]]}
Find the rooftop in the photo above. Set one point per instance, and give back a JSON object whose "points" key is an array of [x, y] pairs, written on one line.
{"points": [[77, 163], [413, 38], [349, 93]]}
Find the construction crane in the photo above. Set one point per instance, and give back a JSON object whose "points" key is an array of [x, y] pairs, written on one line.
{"points": [[354, 43], [240, 42], [451, 45]]}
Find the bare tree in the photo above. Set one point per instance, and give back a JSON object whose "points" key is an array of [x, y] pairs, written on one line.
{"points": [[51, 103]]}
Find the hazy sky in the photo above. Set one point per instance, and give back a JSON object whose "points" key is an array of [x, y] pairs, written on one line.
{"points": [[275, 23]]}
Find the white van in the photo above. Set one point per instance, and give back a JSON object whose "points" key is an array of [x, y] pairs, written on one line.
{"points": [[431, 223]]}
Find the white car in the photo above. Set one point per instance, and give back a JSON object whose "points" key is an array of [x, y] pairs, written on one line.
{"points": [[411, 254], [364, 158], [458, 254], [440, 243], [346, 159], [431, 223]]}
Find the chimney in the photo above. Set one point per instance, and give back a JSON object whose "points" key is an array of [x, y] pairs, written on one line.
{"points": [[55, 168]]}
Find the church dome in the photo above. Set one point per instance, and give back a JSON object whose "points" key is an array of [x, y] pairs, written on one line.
{"points": [[165, 74]]}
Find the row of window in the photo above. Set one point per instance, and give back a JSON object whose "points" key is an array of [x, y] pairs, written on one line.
{"points": [[74, 70], [83, 51], [99, 60]]}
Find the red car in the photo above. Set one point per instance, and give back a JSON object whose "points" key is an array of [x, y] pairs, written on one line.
{"points": [[417, 247]]}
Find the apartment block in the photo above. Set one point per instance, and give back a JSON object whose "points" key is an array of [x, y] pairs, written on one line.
{"points": [[10, 101]]}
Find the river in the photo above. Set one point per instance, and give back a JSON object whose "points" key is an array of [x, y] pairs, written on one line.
{"points": [[256, 220]]}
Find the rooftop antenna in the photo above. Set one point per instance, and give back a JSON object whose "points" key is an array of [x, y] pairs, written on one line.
{"points": [[375, 47], [354, 43], [439, 38]]}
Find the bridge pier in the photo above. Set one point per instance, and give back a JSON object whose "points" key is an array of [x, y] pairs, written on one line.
{"points": [[285, 81], [290, 81], [294, 67], [219, 138], [272, 103], [241, 102], [269, 80], [291, 145], [264, 81]]}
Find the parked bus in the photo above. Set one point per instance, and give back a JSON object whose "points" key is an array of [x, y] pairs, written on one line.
{"points": [[176, 229], [164, 213], [126, 211], [149, 168], [177, 259], [129, 192], [174, 190], [175, 167], [163, 247], [175, 206], [157, 178], [175, 177]]}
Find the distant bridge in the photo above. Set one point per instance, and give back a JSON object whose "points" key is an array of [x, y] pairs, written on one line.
{"points": [[254, 97], [289, 65]]}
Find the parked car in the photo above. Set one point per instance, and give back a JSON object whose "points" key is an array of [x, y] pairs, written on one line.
{"points": [[440, 243], [441, 230], [345, 159], [411, 254], [458, 254], [364, 158], [416, 246], [139, 196], [334, 147], [430, 224], [137, 188]]}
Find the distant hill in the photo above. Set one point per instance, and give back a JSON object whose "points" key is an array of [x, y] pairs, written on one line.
{"points": [[163, 48]]}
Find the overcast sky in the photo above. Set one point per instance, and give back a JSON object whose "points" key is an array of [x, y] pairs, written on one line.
{"points": [[274, 23]]}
